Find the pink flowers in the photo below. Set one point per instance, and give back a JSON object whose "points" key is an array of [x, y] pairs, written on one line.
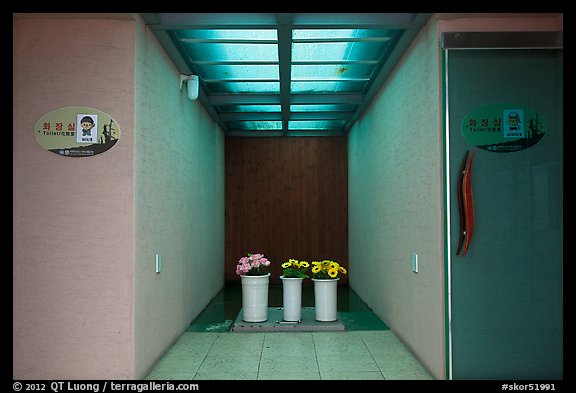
{"points": [[251, 264]]}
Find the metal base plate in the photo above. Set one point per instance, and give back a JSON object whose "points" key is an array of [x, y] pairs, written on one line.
{"points": [[275, 323]]}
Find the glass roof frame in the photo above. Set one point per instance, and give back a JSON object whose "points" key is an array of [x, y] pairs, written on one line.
{"points": [[286, 74]]}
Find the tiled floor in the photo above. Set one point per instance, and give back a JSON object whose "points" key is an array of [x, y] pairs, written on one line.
{"points": [[367, 350], [356, 355]]}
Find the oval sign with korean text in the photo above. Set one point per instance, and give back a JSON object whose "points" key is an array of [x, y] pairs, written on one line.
{"points": [[77, 132], [503, 127]]}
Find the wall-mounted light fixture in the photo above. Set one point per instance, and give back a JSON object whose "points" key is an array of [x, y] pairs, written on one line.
{"points": [[191, 85]]}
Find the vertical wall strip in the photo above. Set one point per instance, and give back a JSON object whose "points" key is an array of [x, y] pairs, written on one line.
{"points": [[447, 229]]}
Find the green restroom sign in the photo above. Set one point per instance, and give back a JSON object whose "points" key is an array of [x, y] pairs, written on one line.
{"points": [[503, 127]]}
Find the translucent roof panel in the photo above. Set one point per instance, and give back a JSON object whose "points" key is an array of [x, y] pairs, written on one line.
{"points": [[255, 125], [327, 87], [228, 35], [322, 108], [336, 51], [231, 52], [343, 34], [244, 87], [332, 71], [237, 71], [230, 45], [315, 124], [250, 108], [285, 73]]}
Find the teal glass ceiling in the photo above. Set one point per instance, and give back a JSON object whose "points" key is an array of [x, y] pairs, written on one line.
{"points": [[286, 74]]}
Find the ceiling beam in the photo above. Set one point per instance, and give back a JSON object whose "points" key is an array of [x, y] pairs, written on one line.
{"points": [[194, 20], [251, 116], [267, 116], [325, 115], [354, 99], [285, 67], [246, 99], [206, 21], [238, 133], [353, 20], [276, 133]]}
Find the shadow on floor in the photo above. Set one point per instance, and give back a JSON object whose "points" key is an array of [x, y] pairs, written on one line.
{"points": [[223, 310]]}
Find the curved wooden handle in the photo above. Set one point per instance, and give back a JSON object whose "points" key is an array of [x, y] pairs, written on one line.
{"points": [[468, 201], [461, 212]]}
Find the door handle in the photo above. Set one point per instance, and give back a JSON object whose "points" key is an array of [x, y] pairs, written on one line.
{"points": [[465, 203], [468, 202], [461, 212]]}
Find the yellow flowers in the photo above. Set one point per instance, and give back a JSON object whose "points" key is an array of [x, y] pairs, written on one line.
{"points": [[295, 268], [327, 269], [295, 264]]}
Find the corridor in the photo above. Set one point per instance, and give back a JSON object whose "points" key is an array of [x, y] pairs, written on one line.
{"points": [[210, 349]]}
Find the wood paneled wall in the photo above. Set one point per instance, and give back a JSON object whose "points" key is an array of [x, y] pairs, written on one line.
{"points": [[286, 198]]}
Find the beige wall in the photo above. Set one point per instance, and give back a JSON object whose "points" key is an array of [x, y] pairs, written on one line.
{"points": [[88, 303], [179, 204], [395, 202], [72, 217]]}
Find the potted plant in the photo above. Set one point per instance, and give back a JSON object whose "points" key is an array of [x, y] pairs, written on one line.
{"points": [[293, 273], [325, 276], [255, 281]]}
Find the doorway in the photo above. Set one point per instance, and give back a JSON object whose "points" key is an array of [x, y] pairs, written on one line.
{"points": [[505, 288]]}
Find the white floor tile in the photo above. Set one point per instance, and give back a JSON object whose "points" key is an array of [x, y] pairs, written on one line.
{"points": [[357, 355]]}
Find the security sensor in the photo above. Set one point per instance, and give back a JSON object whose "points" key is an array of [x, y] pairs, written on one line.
{"points": [[191, 85]]}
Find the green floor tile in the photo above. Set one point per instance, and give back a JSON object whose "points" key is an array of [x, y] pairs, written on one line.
{"points": [[362, 320], [212, 326], [222, 312]]}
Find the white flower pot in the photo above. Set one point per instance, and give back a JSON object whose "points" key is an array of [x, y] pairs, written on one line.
{"points": [[255, 298], [325, 299], [291, 298]]}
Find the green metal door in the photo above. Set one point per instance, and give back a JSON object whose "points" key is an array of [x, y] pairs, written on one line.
{"points": [[506, 290]]}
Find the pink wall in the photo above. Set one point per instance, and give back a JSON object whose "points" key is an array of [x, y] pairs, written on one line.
{"points": [[72, 217], [500, 22]]}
